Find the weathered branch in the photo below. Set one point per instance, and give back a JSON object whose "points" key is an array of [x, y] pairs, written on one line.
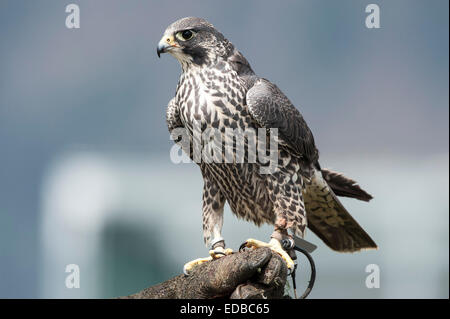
{"points": [[257, 273]]}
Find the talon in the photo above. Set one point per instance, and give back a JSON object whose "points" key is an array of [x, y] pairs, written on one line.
{"points": [[241, 247], [214, 254], [188, 266], [220, 252], [275, 246]]}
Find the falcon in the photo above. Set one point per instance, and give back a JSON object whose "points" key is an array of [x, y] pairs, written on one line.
{"points": [[219, 90]]}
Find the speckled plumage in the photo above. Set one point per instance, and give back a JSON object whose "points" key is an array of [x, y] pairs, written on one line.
{"points": [[218, 89]]}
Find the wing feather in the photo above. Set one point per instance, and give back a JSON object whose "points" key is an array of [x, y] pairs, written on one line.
{"points": [[272, 109]]}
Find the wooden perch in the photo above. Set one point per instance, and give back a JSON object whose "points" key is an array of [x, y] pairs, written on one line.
{"points": [[257, 273]]}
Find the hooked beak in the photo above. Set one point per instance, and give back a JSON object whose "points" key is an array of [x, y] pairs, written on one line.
{"points": [[165, 44]]}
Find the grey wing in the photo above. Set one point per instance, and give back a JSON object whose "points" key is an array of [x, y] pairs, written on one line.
{"points": [[176, 128], [344, 186], [173, 119], [272, 109]]}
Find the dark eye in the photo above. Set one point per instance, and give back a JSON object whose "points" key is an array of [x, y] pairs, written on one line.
{"points": [[185, 35]]}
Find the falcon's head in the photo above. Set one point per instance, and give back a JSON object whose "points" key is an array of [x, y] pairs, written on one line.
{"points": [[194, 40]]}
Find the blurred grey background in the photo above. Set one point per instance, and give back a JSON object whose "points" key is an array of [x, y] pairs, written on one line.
{"points": [[85, 174]]}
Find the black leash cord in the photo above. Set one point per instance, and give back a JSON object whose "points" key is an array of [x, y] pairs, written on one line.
{"points": [[312, 278]]}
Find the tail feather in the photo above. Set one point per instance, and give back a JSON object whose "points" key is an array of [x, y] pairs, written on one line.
{"points": [[344, 186], [330, 221]]}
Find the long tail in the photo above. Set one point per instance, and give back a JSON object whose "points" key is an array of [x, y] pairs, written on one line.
{"points": [[328, 218], [344, 186]]}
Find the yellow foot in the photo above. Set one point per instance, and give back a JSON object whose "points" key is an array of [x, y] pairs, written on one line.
{"points": [[273, 244], [214, 254]]}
